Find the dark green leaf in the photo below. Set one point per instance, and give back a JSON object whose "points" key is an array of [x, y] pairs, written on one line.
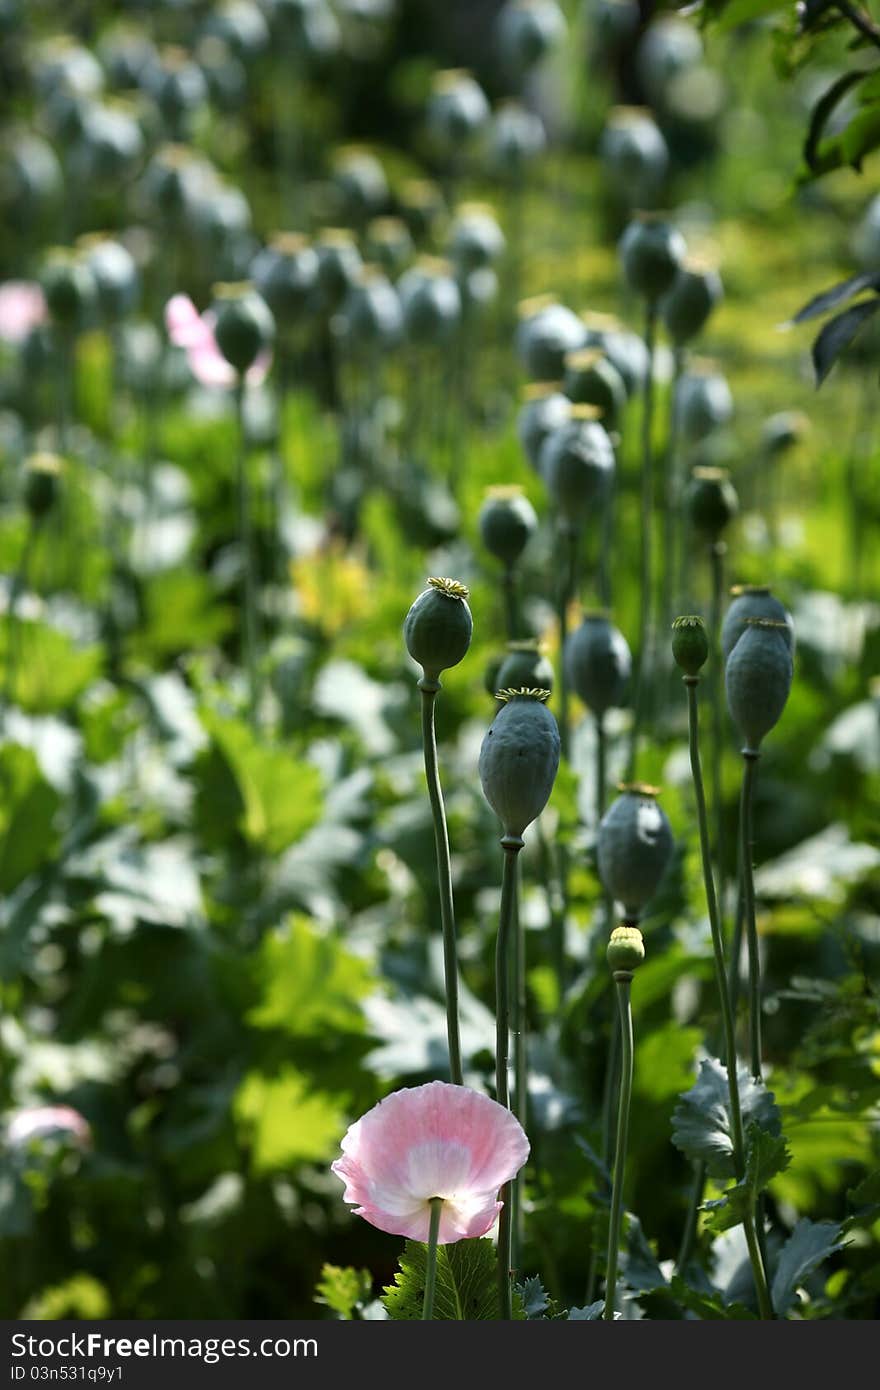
{"points": [[838, 294], [592, 1313], [467, 1283], [535, 1299], [710, 1307], [766, 1155], [809, 1244], [701, 1126], [822, 111], [838, 334]]}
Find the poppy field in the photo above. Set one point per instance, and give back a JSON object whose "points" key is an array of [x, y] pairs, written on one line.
{"points": [[439, 660]]}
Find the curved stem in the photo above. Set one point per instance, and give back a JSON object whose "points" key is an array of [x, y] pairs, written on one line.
{"points": [[647, 511], [860, 20], [249, 614], [444, 878], [750, 761], [431, 1270], [622, 980], [506, 918]]}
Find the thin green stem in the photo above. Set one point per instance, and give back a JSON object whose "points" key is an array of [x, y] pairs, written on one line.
{"points": [[567, 592], [673, 490], [623, 981], [431, 1269], [511, 845], [555, 910], [643, 669], [750, 762], [520, 1067], [689, 1234], [444, 877], [716, 558], [511, 621], [249, 604]]}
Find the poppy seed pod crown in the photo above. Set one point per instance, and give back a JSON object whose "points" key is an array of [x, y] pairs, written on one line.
{"points": [[598, 663], [758, 676], [752, 601], [519, 759], [577, 462], [634, 845], [507, 521], [438, 627]]}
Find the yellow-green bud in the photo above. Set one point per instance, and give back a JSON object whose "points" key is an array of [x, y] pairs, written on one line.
{"points": [[626, 950]]}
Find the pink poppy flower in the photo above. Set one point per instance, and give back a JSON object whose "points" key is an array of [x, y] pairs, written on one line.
{"points": [[43, 1121], [430, 1141], [22, 308], [194, 332]]}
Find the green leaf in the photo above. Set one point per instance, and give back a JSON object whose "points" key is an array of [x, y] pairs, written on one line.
{"points": [[311, 983], [710, 1307], [701, 1126], [467, 1283], [28, 807], [861, 136], [50, 671], [592, 1313], [284, 1122], [536, 1301], [809, 1244], [280, 794], [822, 112], [837, 335], [766, 1155], [740, 12], [838, 294], [343, 1290], [16, 1202]]}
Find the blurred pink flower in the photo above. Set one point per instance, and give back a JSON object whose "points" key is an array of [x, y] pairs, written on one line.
{"points": [[430, 1141], [194, 332], [43, 1121], [22, 307]]}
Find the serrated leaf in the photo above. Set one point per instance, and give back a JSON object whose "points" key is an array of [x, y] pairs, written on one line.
{"points": [[837, 335], [278, 795], [701, 1126], [285, 1121], [466, 1288], [639, 1267], [809, 1244], [592, 1313], [311, 983], [766, 1155], [710, 1307], [343, 1289], [535, 1299]]}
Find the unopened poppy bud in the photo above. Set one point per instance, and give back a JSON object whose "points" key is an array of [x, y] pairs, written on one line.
{"points": [[525, 666], [651, 251], [711, 501], [625, 950], [519, 759], [758, 676], [752, 601], [633, 846], [598, 663], [438, 627], [690, 645], [507, 522], [244, 326]]}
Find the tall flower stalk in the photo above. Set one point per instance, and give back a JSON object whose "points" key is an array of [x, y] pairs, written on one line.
{"points": [[625, 953]]}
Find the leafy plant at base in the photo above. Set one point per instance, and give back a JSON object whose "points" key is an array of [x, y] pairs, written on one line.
{"points": [[701, 1126], [766, 1155], [467, 1284]]}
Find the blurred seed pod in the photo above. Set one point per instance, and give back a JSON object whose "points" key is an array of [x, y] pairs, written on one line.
{"points": [[668, 47], [752, 601], [758, 677], [624, 349], [224, 73], [479, 289], [30, 177], [694, 293], [634, 154], [61, 64], [866, 237], [108, 148], [611, 23], [475, 238], [598, 663], [116, 276], [371, 315], [127, 55], [69, 287], [438, 627], [389, 243], [421, 203], [546, 332], [286, 274], [457, 110], [524, 667], [178, 86], [591, 378], [241, 25], [526, 31], [633, 847], [710, 501], [703, 403], [516, 139], [360, 183], [577, 464], [42, 477], [306, 28], [783, 431], [243, 326], [339, 262], [519, 759], [431, 302], [651, 251], [545, 408], [507, 521]]}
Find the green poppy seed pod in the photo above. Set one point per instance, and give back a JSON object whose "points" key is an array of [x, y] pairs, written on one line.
{"points": [[339, 262], [545, 408], [286, 272], [244, 326], [431, 302], [117, 282], [598, 663], [519, 759], [475, 238], [371, 315], [758, 677], [703, 404], [634, 152], [625, 950], [783, 431], [517, 138], [390, 243], [420, 202], [625, 350], [591, 378], [651, 250], [438, 627], [527, 30], [690, 645], [693, 295], [577, 464], [457, 109], [752, 601], [360, 183], [524, 667], [711, 501], [41, 481], [546, 332], [69, 287], [507, 521], [633, 846]]}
